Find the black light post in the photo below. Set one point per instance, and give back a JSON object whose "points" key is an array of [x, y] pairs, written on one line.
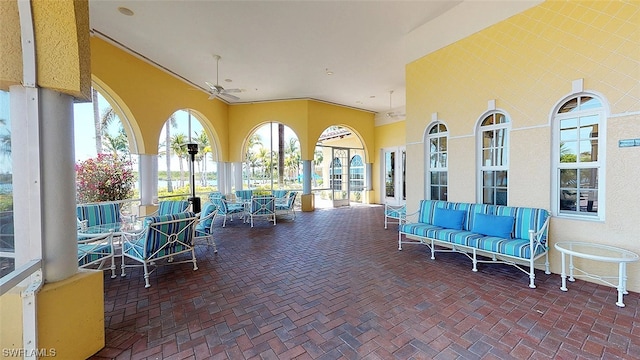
{"points": [[192, 148]]}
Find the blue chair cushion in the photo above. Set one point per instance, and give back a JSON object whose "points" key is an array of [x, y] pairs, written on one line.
{"points": [[493, 225], [207, 209], [449, 218]]}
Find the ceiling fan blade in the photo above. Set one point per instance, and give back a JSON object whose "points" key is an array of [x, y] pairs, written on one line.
{"points": [[211, 96]]}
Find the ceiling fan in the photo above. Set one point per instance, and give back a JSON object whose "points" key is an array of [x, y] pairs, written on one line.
{"points": [[394, 114], [217, 90]]}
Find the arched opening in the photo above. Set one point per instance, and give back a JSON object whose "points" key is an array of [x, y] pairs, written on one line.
{"points": [[272, 158], [174, 161], [338, 167], [103, 151]]}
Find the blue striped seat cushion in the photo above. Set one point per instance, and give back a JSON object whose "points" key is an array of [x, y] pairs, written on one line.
{"points": [[459, 237], [88, 253], [419, 229], [514, 247]]}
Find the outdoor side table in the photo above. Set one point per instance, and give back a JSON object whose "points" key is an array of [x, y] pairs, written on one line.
{"points": [[597, 252]]}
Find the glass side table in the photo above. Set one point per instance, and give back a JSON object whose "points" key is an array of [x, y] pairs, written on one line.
{"points": [[597, 252]]}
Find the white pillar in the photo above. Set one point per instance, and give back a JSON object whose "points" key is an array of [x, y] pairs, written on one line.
{"points": [[44, 181], [237, 175], [148, 170], [307, 176]]}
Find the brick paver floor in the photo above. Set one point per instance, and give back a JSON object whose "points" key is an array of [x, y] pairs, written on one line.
{"points": [[332, 285]]}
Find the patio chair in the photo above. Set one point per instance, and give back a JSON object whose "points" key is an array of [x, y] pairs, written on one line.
{"points": [[97, 250], [288, 206], [163, 238], [170, 207], [204, 229], [279, 194], [244, 195], [263, 206], [227, 209], [98, 214]]}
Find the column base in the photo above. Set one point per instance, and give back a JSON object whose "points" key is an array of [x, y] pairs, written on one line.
{"points": [[308, 202]]}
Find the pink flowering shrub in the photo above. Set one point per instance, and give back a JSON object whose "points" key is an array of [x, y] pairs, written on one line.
{"points": [[105, 178]]}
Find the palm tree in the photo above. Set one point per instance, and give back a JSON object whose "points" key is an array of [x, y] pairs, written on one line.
{"points": [[171, 123], [117, 144], [97, 120], [179, 147], [250, 157], [292, 157], [281, 155], [204, 148]]}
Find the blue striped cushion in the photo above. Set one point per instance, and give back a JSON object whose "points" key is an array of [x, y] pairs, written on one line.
{"points": [[207, 209], [513, 247], [244, 194], [279, 193], [427, 209], [172, 207], [98, 214], [157, 238], [420, 229], [88, 253], [525, 219]]}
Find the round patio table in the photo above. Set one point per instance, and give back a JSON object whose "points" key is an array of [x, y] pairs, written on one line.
{"points": [[597, 252]]}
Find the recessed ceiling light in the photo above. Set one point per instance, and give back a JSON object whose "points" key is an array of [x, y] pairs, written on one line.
{"points": [[125, 11], [372, 97], [358, 102], [329, 72], [228, 80]]}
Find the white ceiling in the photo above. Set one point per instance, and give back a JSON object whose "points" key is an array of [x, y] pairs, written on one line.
{"points": [[275, 50]]}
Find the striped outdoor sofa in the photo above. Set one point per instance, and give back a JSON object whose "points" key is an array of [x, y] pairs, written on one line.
{"points": [[498, 234]]}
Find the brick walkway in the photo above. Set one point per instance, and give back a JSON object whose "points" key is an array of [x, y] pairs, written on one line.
{"points": [[333, 285]]}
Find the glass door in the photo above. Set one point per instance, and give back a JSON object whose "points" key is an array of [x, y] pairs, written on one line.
{"points": [[394, 175], [339, 176]]}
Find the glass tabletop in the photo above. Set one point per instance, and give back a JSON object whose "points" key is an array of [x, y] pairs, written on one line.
{"points": [[597, 251], [116, 227]]}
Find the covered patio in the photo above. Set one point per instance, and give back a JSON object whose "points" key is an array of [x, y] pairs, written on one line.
{"points": [[306, 290]]}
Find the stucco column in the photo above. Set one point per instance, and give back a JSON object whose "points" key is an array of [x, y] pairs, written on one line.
{"points": [[57, 183], [148, 170], [237, 175], [307, 198], [368, 183], [306, 177]]}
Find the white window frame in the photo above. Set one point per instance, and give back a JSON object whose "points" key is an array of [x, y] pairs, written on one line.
{"points": [[481, 167], [427, 159], [599, 165]]}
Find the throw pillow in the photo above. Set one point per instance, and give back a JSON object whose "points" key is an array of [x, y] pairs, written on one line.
{"points": [[449, 218], [493, 225]]}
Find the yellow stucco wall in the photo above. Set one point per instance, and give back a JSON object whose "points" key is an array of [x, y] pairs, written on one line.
{"points": [[386, 136], [150, 96], [61, 32], [527, 64]]}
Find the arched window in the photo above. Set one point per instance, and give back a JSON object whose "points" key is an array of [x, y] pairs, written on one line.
{"points": [[356, 174], [578, 157], [493, 150], [437, 163]]}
